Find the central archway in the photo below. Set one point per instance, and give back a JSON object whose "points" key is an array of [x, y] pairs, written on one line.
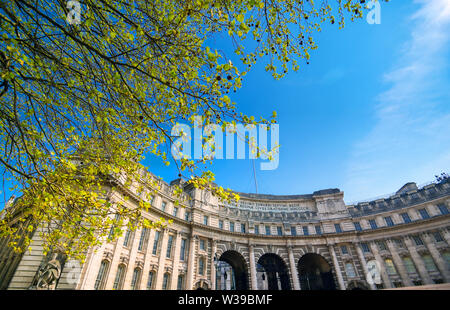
{"points": [[275, 272], [315, 273], [232, 274]]}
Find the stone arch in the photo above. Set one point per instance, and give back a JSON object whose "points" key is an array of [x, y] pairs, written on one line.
{"points": [[239, 274], [358, 285], [274, 272], [202, 285], [315, 273]]}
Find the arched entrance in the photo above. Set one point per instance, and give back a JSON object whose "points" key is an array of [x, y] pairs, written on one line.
{"points": [[274, 273], [201, 285], [231, 272], [315, 273]]}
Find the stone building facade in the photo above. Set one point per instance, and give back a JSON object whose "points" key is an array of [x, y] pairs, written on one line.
{"points": [[298, 242]]}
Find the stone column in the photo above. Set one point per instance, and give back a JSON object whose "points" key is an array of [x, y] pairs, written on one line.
{"points": [[253, 280], [418, 261], [131, 262], [162, 260], [147, 259], [294, 271], [213, 265], [379, 259], [176, 260], [363, 261], [440, 263], [191, 263], [336, 267], [399, 263]]}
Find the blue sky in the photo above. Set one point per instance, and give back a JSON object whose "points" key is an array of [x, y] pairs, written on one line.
{"points": [[370, 112]]}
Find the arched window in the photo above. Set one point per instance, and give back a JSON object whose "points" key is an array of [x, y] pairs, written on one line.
{"points": [[201, 266], [101, 276], [390, 268], [166, 281], [180, 284], [151, 276], [120, 275], [135, 281]]}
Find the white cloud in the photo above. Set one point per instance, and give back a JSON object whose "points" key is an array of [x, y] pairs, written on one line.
{"points": [[411, 138]]}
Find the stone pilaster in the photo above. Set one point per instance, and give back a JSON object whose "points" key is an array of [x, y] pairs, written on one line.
{"points": [[162, 260], [440, 263], [147, 259], [418, 261], [176, 260], [253, 280], [191, 263], [213, 266], [131, 262], [115, 262], [363, 261], [379, 259], [336, 267], [293, 268], [398, 263]]}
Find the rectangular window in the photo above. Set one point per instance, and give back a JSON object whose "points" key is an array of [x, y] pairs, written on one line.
{"points": [[418, 240], [350, 270], [293, 231], [169, 246], [201, 266], [365, 247], [390, 268], [187, 216], [205, 220], [409, 265], [443, 208], [438, 236], [231, 226], [175, 211], [152, 200], [143, 239], [405, 217], [357, 226], [183, 249], [202, 244], [424, 214], [257, 229], [279, 231], [305, 231], [163, 206], [373, 224], [155, 243], [429, 263], [220, 224], [344, 249], [381, 245], [318, 230], [268, 230], [399, 243], [243, 228], [126, 240], [338, 228], [389, 221]]}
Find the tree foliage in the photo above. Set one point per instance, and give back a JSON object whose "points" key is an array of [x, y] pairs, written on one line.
{"points": [[82, 102]]}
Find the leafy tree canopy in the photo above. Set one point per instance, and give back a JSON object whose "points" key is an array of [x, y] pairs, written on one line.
{"points": [[80, 102]]}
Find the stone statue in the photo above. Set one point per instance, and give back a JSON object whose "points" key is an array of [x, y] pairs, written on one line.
{"points": [[48, 274]]}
